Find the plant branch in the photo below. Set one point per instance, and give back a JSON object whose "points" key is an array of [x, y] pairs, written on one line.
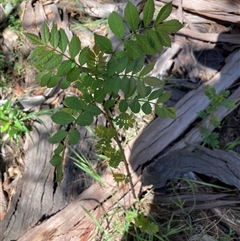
{"points": [[122, 151]]}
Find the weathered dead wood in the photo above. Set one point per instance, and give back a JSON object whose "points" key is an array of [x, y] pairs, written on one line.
{"points": [[161, 132], [211, 37], [219, 164], [37, 195], [225, 10], [72, 223]]}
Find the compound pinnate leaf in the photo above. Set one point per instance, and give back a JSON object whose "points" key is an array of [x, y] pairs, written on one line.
{"points": [[58, 137], [164, 13], [148, 12], [54, 36], [63, 41], [73, 137], [131, 15], [74, 46], [171, 26], [116, 24], [62, 118], [104, 43], [73, 102]]}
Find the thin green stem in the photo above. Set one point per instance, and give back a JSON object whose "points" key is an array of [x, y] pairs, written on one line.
{"points": [[122, 151]]}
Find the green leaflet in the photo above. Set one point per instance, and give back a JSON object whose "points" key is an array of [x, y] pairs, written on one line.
{"points": [[45, 79], [171, 26], [141, 89], [99, 95], [73, 102], [135, 106], [93, 110], [53, 81], [155, 40], [54, 36], [62, 118], [34, 39], [131, 15], [155, 94], [123, 106], [163, 36], [163, 13], [56, 160], [34, 55], [133, 49], [104, 43], [63, 41], [147, 69], [53, 62], [44, 57], [58, 137], [74, 46], [164, 97], [59, 149], [116, 25], [146, 45], [148, 12], [83, 56], [152, 81], [73, 74], [64, 84], [44, 32], [85, 119], [64, 67], [146, 108], [73, 137]]}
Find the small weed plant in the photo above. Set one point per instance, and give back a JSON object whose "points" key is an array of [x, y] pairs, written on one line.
{"points": [[106, 78], [14, 122], [211, 139]]}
